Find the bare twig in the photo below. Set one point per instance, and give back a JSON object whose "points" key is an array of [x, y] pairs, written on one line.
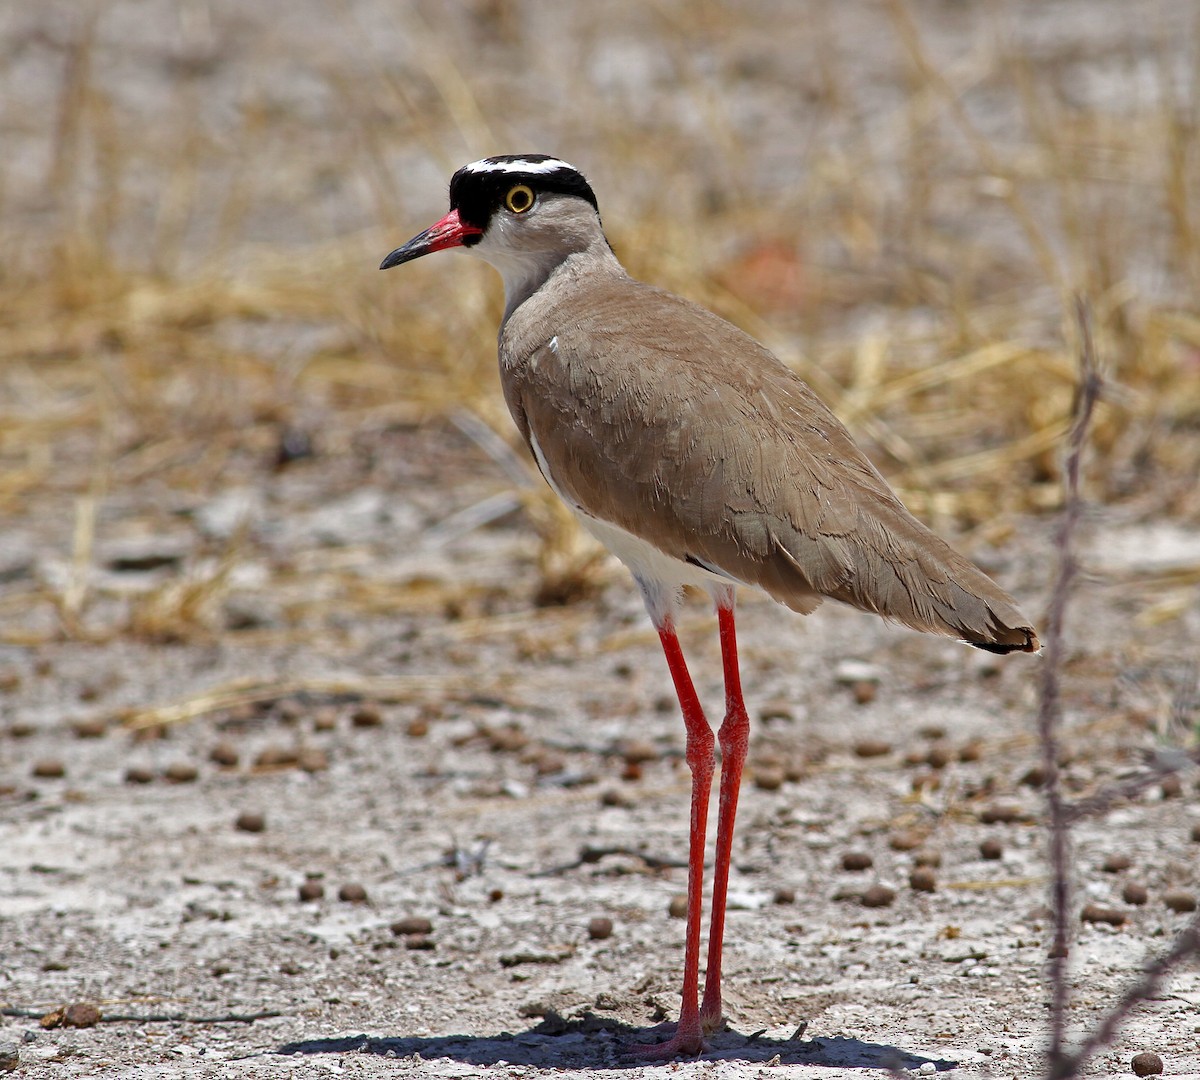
{"points": [[1103, 800], [1186, 945], [249, 691], [595, 854], [153, 1018], [1065, 1065], [1050, 711]]}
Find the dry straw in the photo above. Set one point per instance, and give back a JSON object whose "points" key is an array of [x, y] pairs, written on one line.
{"points": [[918, 272]]}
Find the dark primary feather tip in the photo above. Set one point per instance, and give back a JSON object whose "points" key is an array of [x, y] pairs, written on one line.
{"points": [[1030, 644]]}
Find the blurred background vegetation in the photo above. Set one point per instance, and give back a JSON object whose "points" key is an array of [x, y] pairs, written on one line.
{"points": [[901, 197]]}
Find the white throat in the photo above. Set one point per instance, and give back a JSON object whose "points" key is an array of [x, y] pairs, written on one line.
{"points": [[524, 272]]}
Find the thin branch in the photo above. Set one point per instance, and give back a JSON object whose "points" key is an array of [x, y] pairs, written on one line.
{"points": [[1050, 710], [589, 855], [1186, 945], [1102, 801], [153, 1018]]}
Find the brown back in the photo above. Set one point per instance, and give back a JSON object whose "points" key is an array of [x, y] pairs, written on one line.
{"points": [[656, 415]]}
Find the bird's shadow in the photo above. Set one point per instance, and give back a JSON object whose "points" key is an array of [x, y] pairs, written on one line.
{"points": [[591, 1041]]}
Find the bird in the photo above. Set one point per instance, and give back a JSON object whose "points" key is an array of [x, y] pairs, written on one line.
{"points": [[699, 460]]}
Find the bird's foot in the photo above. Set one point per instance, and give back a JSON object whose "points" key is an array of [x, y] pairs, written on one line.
{"points": [[685, 1041]]}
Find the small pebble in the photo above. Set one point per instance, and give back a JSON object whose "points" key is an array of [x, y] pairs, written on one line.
{"points": [[353, 893], [972, 751], [313, 760], [637, 751], [420, 943], [49, 769], [1171, 786], [849, 672], [923, 879], [927, 857], [1135, 893], [991, 848], [250, 821], [294, 445], [1034, 777], [549, 763], [1114, 864], [905, 840], [368, 714], [932, 731], [224, 754], [784, 895], [615, 797], [10, 1056], [769, 777], [139, 774], [276, 757], [599, 928], [926, 778], [21, 729], [311, 890], [1179, 900], [180, 772], [677, 908], [1094, 913], [938, 756], [325, 718], [81, 1015], [864, 692], [290, 710], [417, 728], [507, 740], [1146, 1064], [412, 924], [89, 729], [927, 1068], [870, 748], [857, 860], [999, 813], [877, 896]]}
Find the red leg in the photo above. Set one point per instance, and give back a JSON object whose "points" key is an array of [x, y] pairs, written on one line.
{"points": [[689, 1038], [734, 737]]}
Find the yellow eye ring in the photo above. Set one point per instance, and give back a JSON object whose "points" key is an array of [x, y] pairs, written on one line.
{"points": [[519, 198]]}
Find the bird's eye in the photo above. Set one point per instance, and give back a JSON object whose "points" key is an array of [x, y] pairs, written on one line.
{"points": [[519, 199]]}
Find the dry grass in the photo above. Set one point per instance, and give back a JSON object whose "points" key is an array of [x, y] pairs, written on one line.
{"points": [[181, 284]]}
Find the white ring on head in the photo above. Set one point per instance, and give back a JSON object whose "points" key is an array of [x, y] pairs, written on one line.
{"points": [[518, 165]]}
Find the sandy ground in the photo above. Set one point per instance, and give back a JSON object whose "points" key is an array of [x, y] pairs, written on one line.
{"points": [[405, 719], [472, 798]]}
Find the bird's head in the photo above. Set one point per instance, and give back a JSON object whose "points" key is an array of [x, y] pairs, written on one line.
{"points": [[523, 213]]}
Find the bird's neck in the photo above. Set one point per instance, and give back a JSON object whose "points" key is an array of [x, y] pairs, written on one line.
{"points": [[526, 272]]}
